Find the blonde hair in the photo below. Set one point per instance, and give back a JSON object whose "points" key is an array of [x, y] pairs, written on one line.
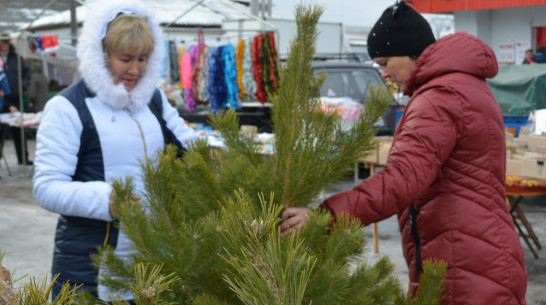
{"points": [[129, 33]]}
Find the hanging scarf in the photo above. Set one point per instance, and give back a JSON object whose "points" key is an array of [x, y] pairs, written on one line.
{"points": [[212, 90], [239, 54], [174, 74], [197, 60], [249, 84], [230, 76], [181, 53], [274, 61], [265, 62], [186, 70], [257, 67], [217, 86], [203, 79], [269, 63], [190, 103]]}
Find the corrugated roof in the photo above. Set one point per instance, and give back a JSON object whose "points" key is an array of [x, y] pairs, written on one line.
{"points": [[15, 13], [210, 13]]}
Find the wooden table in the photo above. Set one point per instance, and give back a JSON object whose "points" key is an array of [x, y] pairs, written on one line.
{"points": [[516, 189], [3, 134], [375, 158], [25, 121], [372, 166]]}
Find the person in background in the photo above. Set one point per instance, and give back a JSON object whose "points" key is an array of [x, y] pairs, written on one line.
{"points": [[4, 85], [4, 89], [38, 91], [11, 101], [540, 55], [101, 129], [445, 173], [528, 57]]}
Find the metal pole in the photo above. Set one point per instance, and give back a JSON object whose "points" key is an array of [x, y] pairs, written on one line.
{"points": [[254, 7], [73, 23], [184, 13], [21, 106], [39, 15]]}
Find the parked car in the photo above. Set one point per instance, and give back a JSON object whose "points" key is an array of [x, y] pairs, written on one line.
{"points": [[346, 85]]}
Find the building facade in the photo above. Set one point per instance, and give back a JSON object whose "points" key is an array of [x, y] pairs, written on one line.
{"points": [[510, 27]]}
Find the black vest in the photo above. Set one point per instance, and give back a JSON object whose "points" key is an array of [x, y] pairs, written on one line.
{"points": [[76, 238]]}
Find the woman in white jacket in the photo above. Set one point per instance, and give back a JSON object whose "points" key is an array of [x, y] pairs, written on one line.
{"points": [[100, 129]]}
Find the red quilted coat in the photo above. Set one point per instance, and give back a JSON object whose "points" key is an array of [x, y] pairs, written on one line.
{"points": [[446, 170]]}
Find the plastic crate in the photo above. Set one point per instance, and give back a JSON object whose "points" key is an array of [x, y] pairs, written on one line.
{"points": [[521, 120], [513, 124], [399, 113]]}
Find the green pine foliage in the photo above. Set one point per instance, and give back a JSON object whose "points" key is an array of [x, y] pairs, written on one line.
{"points": [[429, 291], [33, 292], [211, 221]]}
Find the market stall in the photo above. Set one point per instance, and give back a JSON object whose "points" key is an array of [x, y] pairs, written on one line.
{"points": [[520, 89], [26, 121]]}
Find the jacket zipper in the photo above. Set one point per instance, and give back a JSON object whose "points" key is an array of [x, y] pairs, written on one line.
{"points": [[107, 237], [413, 212]]}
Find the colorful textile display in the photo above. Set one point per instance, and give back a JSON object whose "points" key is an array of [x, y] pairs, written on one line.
{"points": [[48, 43], [226, 75]]}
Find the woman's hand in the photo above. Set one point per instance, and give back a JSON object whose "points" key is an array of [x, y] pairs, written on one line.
{"points": [[113, 208], [292, 219]]}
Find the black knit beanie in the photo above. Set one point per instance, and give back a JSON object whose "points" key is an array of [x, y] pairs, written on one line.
{"points": [[401, 31]]}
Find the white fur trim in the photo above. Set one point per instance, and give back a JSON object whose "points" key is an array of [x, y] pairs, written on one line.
{"points": [[93, 64]]}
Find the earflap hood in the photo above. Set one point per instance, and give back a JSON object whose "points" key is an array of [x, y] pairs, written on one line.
{"points": [[93, 61]]}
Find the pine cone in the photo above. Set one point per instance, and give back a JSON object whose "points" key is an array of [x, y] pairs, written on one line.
{"points": [[7, 295]]}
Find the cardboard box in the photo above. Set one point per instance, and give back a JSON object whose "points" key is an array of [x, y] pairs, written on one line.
{"points": [[535, 141], [513, 167], [533, 168]]}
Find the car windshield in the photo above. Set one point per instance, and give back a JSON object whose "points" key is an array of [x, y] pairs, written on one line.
{"points": [[348, 83]]}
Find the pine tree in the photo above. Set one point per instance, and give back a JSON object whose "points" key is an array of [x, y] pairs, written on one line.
{"points": [[33, 292], [209, 224]]}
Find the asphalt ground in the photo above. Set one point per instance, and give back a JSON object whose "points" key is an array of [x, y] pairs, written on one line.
{"points": [[27, 230]]}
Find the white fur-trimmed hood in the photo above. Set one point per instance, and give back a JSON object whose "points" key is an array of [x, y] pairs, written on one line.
{"points": [[93, 64]]}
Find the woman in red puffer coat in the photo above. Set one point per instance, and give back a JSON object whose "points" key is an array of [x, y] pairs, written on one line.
{"points": [[445, 173]]}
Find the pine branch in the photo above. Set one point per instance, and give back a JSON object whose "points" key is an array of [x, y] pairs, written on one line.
{"points": [[150, 285], [431, 283], [276, 268]]}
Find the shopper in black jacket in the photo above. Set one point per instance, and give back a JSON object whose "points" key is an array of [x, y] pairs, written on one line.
{"points": [[11, 101]]}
